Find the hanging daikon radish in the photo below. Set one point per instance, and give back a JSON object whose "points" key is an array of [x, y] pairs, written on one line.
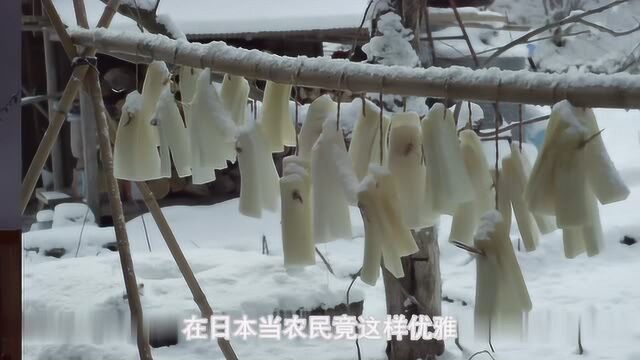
{"points": [[546, 224], [406, 165], [499, 272], [135, 152], [592, 233], [156, 80], [334, 186], [468, 214], [234, 94], [384, 226], [320, 110], [212, 133], [174, 140], [365, 140], [276, 122], [450, 184], [188, 79], [515, 172], [573, 241], [297, 234], [259, 186], [605, 181]]}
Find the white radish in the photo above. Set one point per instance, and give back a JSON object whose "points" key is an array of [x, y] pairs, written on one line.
{"points": [[276, 122], [365, 140], [320, 110], [407, 167], [234, 94], [450, 184], [468, 214], [156, 81], [297, 233], [334, 186], [174, 139], [259, 186], [135, 150]]}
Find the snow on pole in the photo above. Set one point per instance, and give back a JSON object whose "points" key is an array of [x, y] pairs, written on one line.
{"points": [[296, 217], [334, 186], [405, 163], [365, 140], [135, 151], [276, 122], [234, 94], [174, 139], [449, 180], [156, 80], [320, 110], [467, 215]]}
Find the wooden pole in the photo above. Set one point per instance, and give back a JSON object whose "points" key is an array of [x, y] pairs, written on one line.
{"points": [[92, 84], [422, 283], [119, 224], [52, 87], [587, 90], [198, 295], [64, 105], [90, 155]]}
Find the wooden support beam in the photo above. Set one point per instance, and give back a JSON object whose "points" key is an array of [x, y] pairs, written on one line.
{"points": [[90, 155], [488, 85], [57, 167]]}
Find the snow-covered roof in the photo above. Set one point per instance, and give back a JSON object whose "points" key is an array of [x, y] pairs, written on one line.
{"points": [[205, 17]]}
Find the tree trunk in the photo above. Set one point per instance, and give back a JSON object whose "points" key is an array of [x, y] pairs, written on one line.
{"points": [[421, 281]]}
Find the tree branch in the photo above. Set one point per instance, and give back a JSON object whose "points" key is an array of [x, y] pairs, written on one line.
{"points": [[571, 19]]}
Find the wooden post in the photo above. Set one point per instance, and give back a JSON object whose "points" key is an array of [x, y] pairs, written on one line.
{"points": [[198, 295], [422, 282], [90, 155], [52, 87]]}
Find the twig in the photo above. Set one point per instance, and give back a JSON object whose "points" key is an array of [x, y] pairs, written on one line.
{"points": [[513, 126], [84, 222], [571, 19], [467, 248], [607, 30], [357, 37], [326, 263], [354, 277], [454, 7], [481, 352], [429, 33]]}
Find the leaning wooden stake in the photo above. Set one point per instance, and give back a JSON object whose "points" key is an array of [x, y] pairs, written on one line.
{"points": [[64, 105], [117, 213], [198, 295], [92, 84]]}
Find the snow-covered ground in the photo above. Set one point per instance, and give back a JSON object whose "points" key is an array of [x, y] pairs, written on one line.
{"points": [[74, 307]]}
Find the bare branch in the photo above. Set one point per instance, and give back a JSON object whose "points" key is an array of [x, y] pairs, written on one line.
{"points": [[571, 19], [607, 30]]}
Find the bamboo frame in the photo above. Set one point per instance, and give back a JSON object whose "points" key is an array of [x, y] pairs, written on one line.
{"points": [[106, 136], [64, 105], [588, 90]]}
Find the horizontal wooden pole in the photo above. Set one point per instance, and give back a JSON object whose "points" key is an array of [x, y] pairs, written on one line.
{"points": [[455, 83]]}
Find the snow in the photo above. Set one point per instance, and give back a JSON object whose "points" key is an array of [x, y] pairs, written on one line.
{"points": [[203, 17]]}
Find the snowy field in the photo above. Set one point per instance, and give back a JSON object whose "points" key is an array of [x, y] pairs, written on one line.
{"points": [[74, 306]]}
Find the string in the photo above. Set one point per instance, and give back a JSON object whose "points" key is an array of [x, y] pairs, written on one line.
{"points": [[520, 124], [381, 132], [295, 100], [497, 127]]}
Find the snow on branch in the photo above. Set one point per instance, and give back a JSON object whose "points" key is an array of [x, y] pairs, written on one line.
{"points": [[455, 83]]}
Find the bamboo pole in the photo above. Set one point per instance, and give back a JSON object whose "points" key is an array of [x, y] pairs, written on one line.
{"points": [[587, 90], [64, 105], [92, 84], [57, 167], [198, 295]]}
